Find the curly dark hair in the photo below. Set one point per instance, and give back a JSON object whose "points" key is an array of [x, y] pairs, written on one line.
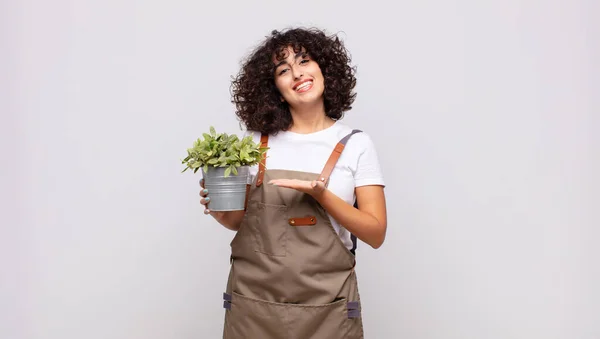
{"points": [[257, 99]]}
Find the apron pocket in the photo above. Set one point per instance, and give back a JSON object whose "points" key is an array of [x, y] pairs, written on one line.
{"points": [[268, 224], [328, 321], [254, 318]]}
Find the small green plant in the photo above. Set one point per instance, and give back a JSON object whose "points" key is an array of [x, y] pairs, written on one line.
{"points": [[222, 150]]}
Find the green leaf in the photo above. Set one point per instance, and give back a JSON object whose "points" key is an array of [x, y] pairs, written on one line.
{"points": [[227, 171], [223, 150]]}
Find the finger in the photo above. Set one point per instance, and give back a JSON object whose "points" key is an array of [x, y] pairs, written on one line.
{"points": [[206, 211], [205, 201], [281, 182], [202, 182], [203, 192]]}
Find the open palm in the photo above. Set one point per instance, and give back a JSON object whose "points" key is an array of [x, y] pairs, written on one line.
{"points": [[305, 186]]}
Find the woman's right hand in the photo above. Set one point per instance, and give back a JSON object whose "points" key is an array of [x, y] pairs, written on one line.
{"points": [[230, 220]]}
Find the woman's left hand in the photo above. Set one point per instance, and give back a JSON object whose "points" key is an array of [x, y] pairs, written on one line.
{"points": [[313, 188]]}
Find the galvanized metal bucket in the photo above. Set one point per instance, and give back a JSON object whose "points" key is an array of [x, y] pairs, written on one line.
{"points": [[226, 193]]}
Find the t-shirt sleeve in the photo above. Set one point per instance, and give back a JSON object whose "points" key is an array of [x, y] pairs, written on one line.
{"points": [[368, 170]]}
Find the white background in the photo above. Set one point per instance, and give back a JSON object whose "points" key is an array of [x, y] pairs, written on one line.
{"points": [[485, 115]]}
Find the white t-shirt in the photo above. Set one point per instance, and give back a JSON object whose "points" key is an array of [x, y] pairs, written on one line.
{"points": [[357, 166]]}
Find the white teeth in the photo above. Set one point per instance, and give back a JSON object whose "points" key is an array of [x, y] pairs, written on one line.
{"points": [[304, 85]]}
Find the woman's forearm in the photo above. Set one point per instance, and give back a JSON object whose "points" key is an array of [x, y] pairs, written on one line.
{"points": [[230, 220], [370, 227]]}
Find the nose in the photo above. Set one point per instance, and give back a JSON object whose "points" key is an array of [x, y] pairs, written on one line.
{"points": [[297, 72]]}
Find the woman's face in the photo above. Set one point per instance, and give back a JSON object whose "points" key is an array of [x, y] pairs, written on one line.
{"points": [[298, 78]]}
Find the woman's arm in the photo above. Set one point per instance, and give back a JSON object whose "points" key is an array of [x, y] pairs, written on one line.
{"points": [[231, 220], [369, 222]]}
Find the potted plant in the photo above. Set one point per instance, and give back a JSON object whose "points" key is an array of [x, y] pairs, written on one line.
{"points": [[225, 160]]}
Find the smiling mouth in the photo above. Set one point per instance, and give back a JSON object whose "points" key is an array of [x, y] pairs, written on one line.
{"points": [[305, 86]]}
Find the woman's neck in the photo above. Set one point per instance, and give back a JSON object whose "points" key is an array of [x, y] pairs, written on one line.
{"points": [[310, 120]]}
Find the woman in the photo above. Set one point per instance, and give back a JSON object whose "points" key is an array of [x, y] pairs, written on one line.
{"points": [[320, 188]]}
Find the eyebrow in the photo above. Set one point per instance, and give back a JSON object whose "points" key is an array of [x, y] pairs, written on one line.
{"points": [[299, 54]]}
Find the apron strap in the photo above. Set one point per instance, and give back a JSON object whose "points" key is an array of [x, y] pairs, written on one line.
{"points": [[333, 158], [353, 308], [264, 141], [335, 155], [227, 301]]}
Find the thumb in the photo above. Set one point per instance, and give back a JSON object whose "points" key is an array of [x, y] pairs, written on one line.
{"points": [[318, 186]]}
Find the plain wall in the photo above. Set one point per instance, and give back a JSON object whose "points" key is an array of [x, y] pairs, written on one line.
{"points": [[485, 115]]}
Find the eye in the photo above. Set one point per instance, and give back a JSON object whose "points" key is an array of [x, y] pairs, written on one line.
{"points": [[283, 71], [304, 61]]}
